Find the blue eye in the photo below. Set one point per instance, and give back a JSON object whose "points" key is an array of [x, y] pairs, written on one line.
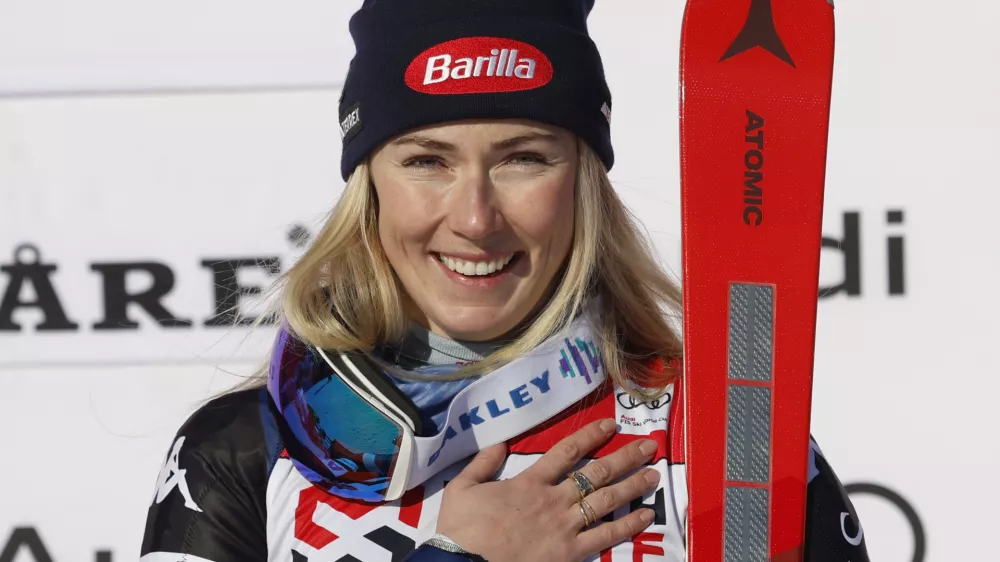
{"points": [[527, 158], [425, 162]]}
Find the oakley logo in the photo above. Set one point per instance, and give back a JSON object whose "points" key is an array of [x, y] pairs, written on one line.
{"points": [[479, 65], [518, 398], [572, 365], [629, 402]]}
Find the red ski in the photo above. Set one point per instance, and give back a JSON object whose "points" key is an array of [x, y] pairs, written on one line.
{"points": [[755, 78]]}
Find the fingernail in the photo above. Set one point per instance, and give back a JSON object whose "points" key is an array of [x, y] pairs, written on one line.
{"points": [[647, 516], [652, 477], [608, 426], [647, 447]]}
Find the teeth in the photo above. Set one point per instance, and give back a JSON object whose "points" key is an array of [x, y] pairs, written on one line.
{"points": [[473, 269]]}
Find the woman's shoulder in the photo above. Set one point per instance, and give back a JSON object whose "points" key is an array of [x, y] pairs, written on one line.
{"points": [[210, 498], [833, 529], [233, 440], [233, 428]]}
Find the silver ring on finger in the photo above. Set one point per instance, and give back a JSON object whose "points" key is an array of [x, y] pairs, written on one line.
{"points": [[583, 484]]}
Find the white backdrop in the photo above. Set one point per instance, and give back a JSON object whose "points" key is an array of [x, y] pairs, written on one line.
{"points": [[142, 143]]}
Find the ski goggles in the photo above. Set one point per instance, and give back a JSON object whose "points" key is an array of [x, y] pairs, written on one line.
{"points": [[356, 435]]}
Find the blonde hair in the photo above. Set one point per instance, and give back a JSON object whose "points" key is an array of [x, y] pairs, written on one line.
{"points": [[343, 294]]}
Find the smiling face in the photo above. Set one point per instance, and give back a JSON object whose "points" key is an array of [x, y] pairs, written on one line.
{"points": [[476, 219]]}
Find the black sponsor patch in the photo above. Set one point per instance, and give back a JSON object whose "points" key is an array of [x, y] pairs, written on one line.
{"points": [[350, 123]]}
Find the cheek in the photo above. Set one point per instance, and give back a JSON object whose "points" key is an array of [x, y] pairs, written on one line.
{"points": [[544, 215], [403, 218]]}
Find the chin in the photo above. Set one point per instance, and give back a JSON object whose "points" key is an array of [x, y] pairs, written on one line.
{"points": [[475, 325]]}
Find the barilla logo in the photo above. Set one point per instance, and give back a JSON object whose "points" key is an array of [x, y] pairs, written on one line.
{"points": [[479, 65]]}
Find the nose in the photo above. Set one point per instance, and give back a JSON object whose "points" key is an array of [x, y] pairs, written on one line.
{"points": [[473, 211]]}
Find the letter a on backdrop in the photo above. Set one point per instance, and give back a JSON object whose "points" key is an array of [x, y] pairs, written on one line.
{"points": [[755, 79]]}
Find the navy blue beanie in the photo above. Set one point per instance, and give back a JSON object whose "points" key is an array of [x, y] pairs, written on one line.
{"points": [[421, 62]]}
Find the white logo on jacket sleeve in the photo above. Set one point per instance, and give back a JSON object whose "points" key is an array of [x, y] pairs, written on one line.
{"points": [[173, 476], [856, 539]]}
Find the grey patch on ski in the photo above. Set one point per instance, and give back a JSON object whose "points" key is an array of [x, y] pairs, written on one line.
{"points": [[831, 3], [746, 524], [751, 324], [748, 434], [748, 421]]}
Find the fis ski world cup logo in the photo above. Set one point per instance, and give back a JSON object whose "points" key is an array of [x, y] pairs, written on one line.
{"points": [[479, 65]]}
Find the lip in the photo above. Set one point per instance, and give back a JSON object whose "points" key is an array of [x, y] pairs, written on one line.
{"points": [[478, 282], [474, 257]]}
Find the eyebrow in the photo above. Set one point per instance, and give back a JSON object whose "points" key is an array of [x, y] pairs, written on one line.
{"points": [[523, 139], [425, 142], [432, 144]]}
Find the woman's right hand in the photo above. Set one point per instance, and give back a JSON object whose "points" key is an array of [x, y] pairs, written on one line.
{"points": [[536, 515]]}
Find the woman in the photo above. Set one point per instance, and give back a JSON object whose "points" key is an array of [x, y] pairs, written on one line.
{"points": [[482, 286]]}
